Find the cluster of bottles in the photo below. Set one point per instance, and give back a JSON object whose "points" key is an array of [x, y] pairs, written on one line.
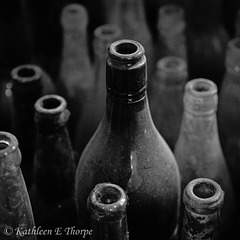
{"points": [[121, 132]]}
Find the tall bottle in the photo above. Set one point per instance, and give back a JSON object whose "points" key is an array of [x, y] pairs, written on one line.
{"points": [[203, 199], [94, 109], [127, 150], [52, 192], [228, 113], [171, 32], [76, 79], [27, 85], [166, 96], [16, 213], [107, 204], [206, 40], [130, 16], [198, 151]]}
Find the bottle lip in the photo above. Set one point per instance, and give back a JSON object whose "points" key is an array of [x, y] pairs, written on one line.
{"points": [[172, 64], [26, 73], [114, 203], [74, 16], [203, 196], [126, 50], [201, 87], [107, 32], [8, 143], [50, 104]]}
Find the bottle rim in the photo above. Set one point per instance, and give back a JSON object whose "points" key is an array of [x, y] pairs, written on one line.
{"points": [[8, 143]]}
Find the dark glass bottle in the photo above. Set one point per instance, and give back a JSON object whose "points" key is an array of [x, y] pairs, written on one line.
{"points": [[94, 109], [166, 96], [27, 85], [130, 16], [76, 75], [16, 213], [198, 151], [52, 192], [107, 205], [203, 199], [171, 31], [206, 40], [229, 115], [127, 150]]}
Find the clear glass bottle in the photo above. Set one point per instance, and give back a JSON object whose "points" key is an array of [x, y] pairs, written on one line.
{"points": [[93, 111], [166, 96], [76, 74], [198, 151], [203, 199], [16, 213], [228, 113], [127, 150], [52, 192], [27, 84], [107, 205]]}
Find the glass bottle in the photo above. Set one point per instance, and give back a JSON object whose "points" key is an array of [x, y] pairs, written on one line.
{"points": [[93, 111], [171, 32], [107, 204], [52, 192], [130, 16], [27, 85], [198, 151], [206, 40], [228, 113], [76, 79], [127, 150], [165, 99], [203, 199], [16, 213]]}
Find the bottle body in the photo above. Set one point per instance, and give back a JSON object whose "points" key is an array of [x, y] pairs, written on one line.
{"points": [[132, 152], [16, 212], [198, 151]]}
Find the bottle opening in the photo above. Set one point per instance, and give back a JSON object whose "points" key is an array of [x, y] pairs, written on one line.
{"points": [[108, 195], [126, 48], [51, 103], [171, 9], [3, 145], [201, 87], [172, 64], [204, 190], [108, 31], [26, 73]]}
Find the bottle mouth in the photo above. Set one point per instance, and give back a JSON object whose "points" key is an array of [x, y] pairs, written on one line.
{"points": [[26, 73], [8, 143], [126, 50], [203, 195], [172, 64], [107, 199], [107, 32], [74, 16], [50, 104]]}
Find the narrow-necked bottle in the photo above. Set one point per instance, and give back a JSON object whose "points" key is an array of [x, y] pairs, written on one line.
{"points": [[198, 151], [52, 192], [228, 113], [166, 96], [94, 109], [171, 31], [206, 40], [16, 213], [27, 85], [107, 205], [130, 16], [203, 199], [76, 79], [127, 150]]}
